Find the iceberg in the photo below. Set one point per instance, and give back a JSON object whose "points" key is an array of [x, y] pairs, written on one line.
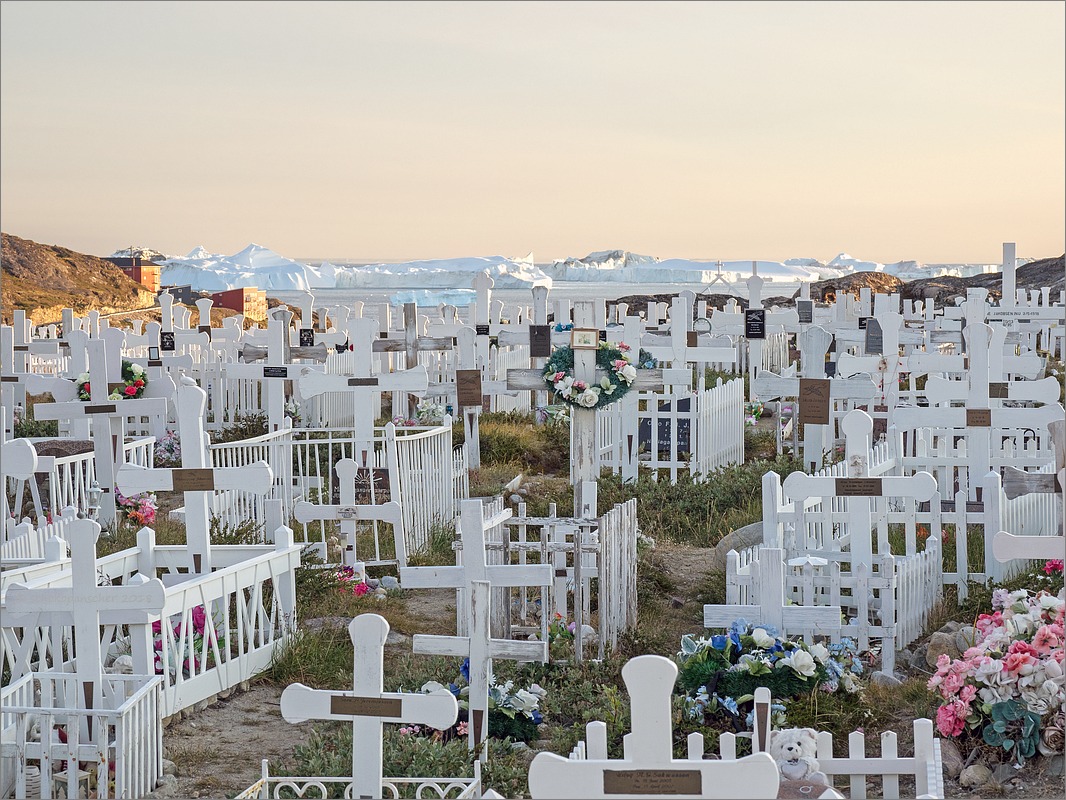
{"points": [[253, 266], [445, 273]]}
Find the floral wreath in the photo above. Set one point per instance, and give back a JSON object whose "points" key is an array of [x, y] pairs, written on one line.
{"points": [[133, 376], [613, 386]]}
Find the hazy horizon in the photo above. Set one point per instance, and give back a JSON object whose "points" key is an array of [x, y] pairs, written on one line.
{"points": [[931, 131]]}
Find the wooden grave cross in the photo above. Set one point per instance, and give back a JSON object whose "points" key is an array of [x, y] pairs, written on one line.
{"points": [[349, 513], [363, 386], [368, 706], [196, 478], [584, 453], [108, 422], [774, 608], [411, 344], [860, 488], [89, 606], [277, 373], [174, 337], [478, 578], [648, 768], [681, 346], [1007, 546]]}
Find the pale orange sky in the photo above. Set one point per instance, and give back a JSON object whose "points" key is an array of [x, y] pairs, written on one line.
{"points": [[929, 131]]}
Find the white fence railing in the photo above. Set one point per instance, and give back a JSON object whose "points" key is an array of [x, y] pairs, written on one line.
{"points": [[272, 786], [69, 477], [126, 737], [694, 432]]}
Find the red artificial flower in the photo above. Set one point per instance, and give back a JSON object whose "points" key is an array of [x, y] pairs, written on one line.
{"points": [[131, 390], [138, 383]]}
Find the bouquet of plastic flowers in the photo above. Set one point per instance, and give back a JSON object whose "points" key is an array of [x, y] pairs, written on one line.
{"points": [[139, 509]]}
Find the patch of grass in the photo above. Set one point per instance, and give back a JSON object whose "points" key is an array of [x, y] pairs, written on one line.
{"points": [[243, 426], [759, 445], [321, 659], [489, 479], [515, 440], [438, 550]]}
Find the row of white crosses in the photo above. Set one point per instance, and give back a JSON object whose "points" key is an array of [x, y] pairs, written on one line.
{"points": [[197, 479]]}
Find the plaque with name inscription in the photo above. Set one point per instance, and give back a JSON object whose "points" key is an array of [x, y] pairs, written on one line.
{"points": [[540, 341], [692, 339], [468, 387], [875, 337], [805, 310], [371, 486], [603, 336], [653, 782], [9, 379], [978, 418], [155, 362], [481, 330], [388, 707], [830, 368], [275, 372], [998, 391], [205, 329], [755, 323], [107, 408], [814, 401], [166, 341], [362, 381], [21, 348], [307, 337], [858, 487], [193, 480], [153, 353], [863, 322]]}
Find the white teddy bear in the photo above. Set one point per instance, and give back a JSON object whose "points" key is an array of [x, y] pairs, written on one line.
{"points": [[794, 751]]}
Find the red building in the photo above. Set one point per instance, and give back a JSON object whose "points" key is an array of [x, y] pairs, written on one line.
{"points": [[140, 270], [248, 301]]}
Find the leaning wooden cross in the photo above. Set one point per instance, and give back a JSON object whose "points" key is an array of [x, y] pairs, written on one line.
{"points": [[368, 706], [88, 606], [648, 768]]}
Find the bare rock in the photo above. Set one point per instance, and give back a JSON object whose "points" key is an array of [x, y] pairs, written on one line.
{"points": [[169, 767], [974, 776], [918, 659], [965, 638], [940, 643], [397, 638], [950, 626], [951, 758], [884, 679], [677, 602], [879, 282], [166, 787]]}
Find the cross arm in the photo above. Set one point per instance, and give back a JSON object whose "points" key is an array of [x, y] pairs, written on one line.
{"points": [[799, 486], [421, 343], [134, 603], [438, 709], [305, 512], [1017, 482], [1008, 546], [414, 381], [256, 478], [144, 406]]}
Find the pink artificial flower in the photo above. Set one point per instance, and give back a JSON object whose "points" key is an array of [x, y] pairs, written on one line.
{"points": [[1019, 662], [625, 348], [199, 619], [1052, 566], [360, 589], [580, 386], [948, 722], [558, 376]]}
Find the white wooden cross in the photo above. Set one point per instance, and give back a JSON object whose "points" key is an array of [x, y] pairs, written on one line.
{"points": [[860, 488], [477, 577], [348, 513], [682, 344], [108, 422], [1007, 546], [368, 706], [584, 456], [774, 608], [276, 374], [196, 478], [648, 768], [411, 344], [89, 606]]}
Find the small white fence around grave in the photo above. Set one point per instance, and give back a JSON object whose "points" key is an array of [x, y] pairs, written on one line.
{"points": [[69, 477], [126, 739], [416, 466], [274, 786], [890, 600], [580, 551], [249, 609], [26, 544], [694, 432]]}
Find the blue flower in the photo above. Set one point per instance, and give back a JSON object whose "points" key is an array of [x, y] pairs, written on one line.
{"points": [[739, 626], [464, 670], [770, 629], [453, 689], [729, 704], [536, 717], [856, 667], [718, 641]]}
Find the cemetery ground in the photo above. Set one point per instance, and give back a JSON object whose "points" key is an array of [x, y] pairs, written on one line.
{"points": [[217, 748]]}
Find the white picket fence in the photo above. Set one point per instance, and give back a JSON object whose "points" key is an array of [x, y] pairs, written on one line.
{"points": [[69, 477], [273, 786], [126, 737], [27, 543], [250, 601], [707, 435]]}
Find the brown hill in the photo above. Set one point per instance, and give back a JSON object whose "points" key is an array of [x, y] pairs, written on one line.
{"points": [[44, 279]]}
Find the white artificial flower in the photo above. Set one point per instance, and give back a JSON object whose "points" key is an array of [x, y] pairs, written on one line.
{"points": [[137, 369], [83, 378], [803, 663], [114, 396], [588, 398], [431, 686], [762, 638], [1018, 625], [1048, 602], [563, 387], [525, 701], [821, 652], [628, 373], [849, 682], [538, 690]]}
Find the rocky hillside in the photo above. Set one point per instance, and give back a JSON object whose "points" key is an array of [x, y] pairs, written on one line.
{"points": [[44, 279]]}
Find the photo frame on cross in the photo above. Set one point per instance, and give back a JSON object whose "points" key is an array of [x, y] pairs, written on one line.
{"points": [[584, 339]]}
